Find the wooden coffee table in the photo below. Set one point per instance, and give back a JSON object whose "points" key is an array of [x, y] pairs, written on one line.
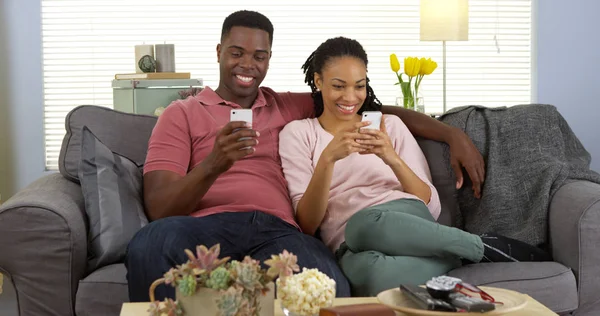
{"points": [[533, 307]]}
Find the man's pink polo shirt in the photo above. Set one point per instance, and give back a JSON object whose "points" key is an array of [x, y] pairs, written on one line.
{"points": [[185, 133]]}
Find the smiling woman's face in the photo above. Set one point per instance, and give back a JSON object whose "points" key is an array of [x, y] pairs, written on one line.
{"points": [[343, 84]]}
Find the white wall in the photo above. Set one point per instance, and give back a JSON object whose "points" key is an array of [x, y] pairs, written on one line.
{"points": [[22, 97], [4, 138], [568, 48], [6, 177], [568, 45]]}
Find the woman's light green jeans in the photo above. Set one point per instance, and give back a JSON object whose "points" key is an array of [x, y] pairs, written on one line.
{"points": [[400, 242]]}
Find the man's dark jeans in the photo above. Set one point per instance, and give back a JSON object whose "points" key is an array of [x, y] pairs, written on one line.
{"points": [[160, 245]]}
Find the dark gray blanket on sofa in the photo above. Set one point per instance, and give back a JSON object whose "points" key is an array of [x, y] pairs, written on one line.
{"points": [[530, 152]]}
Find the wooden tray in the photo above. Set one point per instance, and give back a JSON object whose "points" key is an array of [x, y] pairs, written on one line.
{"points": [[512, 300]]}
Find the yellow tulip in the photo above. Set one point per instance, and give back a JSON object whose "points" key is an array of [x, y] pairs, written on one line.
{"points": [[432, 67], [427, 66], [394, 63], [423, 63], [411, 66]]}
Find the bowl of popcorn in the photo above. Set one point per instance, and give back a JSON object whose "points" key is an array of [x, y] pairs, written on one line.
{"points": [[305, 293]]}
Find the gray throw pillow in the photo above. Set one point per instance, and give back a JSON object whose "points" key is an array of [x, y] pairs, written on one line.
{"points": [[112, 190]]}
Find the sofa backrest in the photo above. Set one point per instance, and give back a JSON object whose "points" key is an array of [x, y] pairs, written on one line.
{"points": [[127, 135]]}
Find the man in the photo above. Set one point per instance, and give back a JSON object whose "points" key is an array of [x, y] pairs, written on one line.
{"points": [[203, 185]]}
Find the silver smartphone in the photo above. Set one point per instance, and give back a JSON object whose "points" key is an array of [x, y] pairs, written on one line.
{"points": [[374, 117]]}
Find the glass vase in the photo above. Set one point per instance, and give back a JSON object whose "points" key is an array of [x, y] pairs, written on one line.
{"points": [[411, 103]]}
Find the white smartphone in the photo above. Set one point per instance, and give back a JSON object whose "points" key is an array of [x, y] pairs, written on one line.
{"points": [[374, 117], [244, 115]]}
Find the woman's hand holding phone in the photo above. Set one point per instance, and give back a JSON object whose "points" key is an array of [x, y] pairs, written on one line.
{"points": [[380, 143], [345, 143]]}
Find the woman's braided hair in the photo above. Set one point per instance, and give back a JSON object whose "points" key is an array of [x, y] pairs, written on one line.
{"points": [[334, 48]]}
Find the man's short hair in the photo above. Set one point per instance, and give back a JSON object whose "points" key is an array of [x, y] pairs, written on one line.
{"points": [[249, 19]]}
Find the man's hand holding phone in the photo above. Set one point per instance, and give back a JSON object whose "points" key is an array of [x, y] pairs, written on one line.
{"points": [[233, 142]]}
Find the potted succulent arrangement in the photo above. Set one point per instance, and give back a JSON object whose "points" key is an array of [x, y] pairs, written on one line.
{"points": [[207, 285]]}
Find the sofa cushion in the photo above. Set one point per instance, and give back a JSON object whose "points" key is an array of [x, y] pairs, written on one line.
{"points": [[112, 189], [550, 283], [123, 133], [442, 178], [103, 292]]}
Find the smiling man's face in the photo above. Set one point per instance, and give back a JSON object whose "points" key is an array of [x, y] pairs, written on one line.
{"points": [[243, 57]]}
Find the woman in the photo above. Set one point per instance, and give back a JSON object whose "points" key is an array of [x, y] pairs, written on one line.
{"points": [[368, 191]]}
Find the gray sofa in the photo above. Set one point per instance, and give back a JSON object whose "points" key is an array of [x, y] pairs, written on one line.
{"points": [[43, 235]]}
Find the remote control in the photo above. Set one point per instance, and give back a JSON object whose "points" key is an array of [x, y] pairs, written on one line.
{"points": [[469, 304], [440, 287], [424, 300]]}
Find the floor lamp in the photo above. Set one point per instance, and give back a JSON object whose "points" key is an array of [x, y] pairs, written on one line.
{"points": [[444, 20]]}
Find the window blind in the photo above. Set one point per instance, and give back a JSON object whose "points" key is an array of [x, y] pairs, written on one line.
{"points": [[85, 43]]}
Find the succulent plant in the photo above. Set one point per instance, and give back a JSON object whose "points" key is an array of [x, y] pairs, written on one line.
{"points": [[248, 274], [189, 268], [231, 302], [169, 308], [184, 277], [172, 308], [284, 264], [171, 276], [154, 309], [187, 285], [219, 279], [206, 259]]}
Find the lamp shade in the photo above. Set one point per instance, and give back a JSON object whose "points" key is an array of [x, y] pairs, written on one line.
{"points": [[444, 20]]}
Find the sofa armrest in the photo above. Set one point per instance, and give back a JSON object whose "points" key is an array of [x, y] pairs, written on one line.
{"points": [[574, 235], [43, 245]]}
